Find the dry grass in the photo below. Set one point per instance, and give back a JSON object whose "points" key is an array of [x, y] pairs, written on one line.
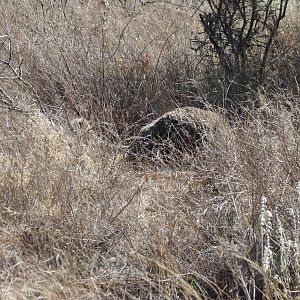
{"points": [[79, 222]]}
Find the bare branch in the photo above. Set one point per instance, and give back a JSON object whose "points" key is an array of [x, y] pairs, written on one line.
{"points": [[10, 63]]}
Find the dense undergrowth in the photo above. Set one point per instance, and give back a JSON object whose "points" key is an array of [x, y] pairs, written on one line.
{"points": [[80, 222]]}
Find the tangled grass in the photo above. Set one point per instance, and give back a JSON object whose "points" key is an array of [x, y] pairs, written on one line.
{"points": [[80, 222]]}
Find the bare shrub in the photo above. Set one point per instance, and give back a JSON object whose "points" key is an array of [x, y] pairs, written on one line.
{"points": [[241, 34]]}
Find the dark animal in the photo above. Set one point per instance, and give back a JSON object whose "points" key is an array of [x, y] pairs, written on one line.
{"points": [[182, 130]]}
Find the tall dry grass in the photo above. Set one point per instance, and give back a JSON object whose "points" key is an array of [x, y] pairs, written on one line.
{"points": [[79, 222], [112, 63]]}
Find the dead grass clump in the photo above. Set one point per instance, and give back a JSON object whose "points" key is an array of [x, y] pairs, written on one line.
{"points": [[78, 219]]}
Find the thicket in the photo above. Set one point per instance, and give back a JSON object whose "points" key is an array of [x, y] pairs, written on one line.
{"points": [[78, 221], [238, 42]]}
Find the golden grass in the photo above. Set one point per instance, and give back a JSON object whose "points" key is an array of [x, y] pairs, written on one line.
{"points": [[78, 221]]}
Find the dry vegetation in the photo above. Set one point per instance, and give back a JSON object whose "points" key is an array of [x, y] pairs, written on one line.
{"points": [[79, 222]]}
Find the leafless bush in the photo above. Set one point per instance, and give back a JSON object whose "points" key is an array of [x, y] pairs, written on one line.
{"points": [[241, 34]]}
